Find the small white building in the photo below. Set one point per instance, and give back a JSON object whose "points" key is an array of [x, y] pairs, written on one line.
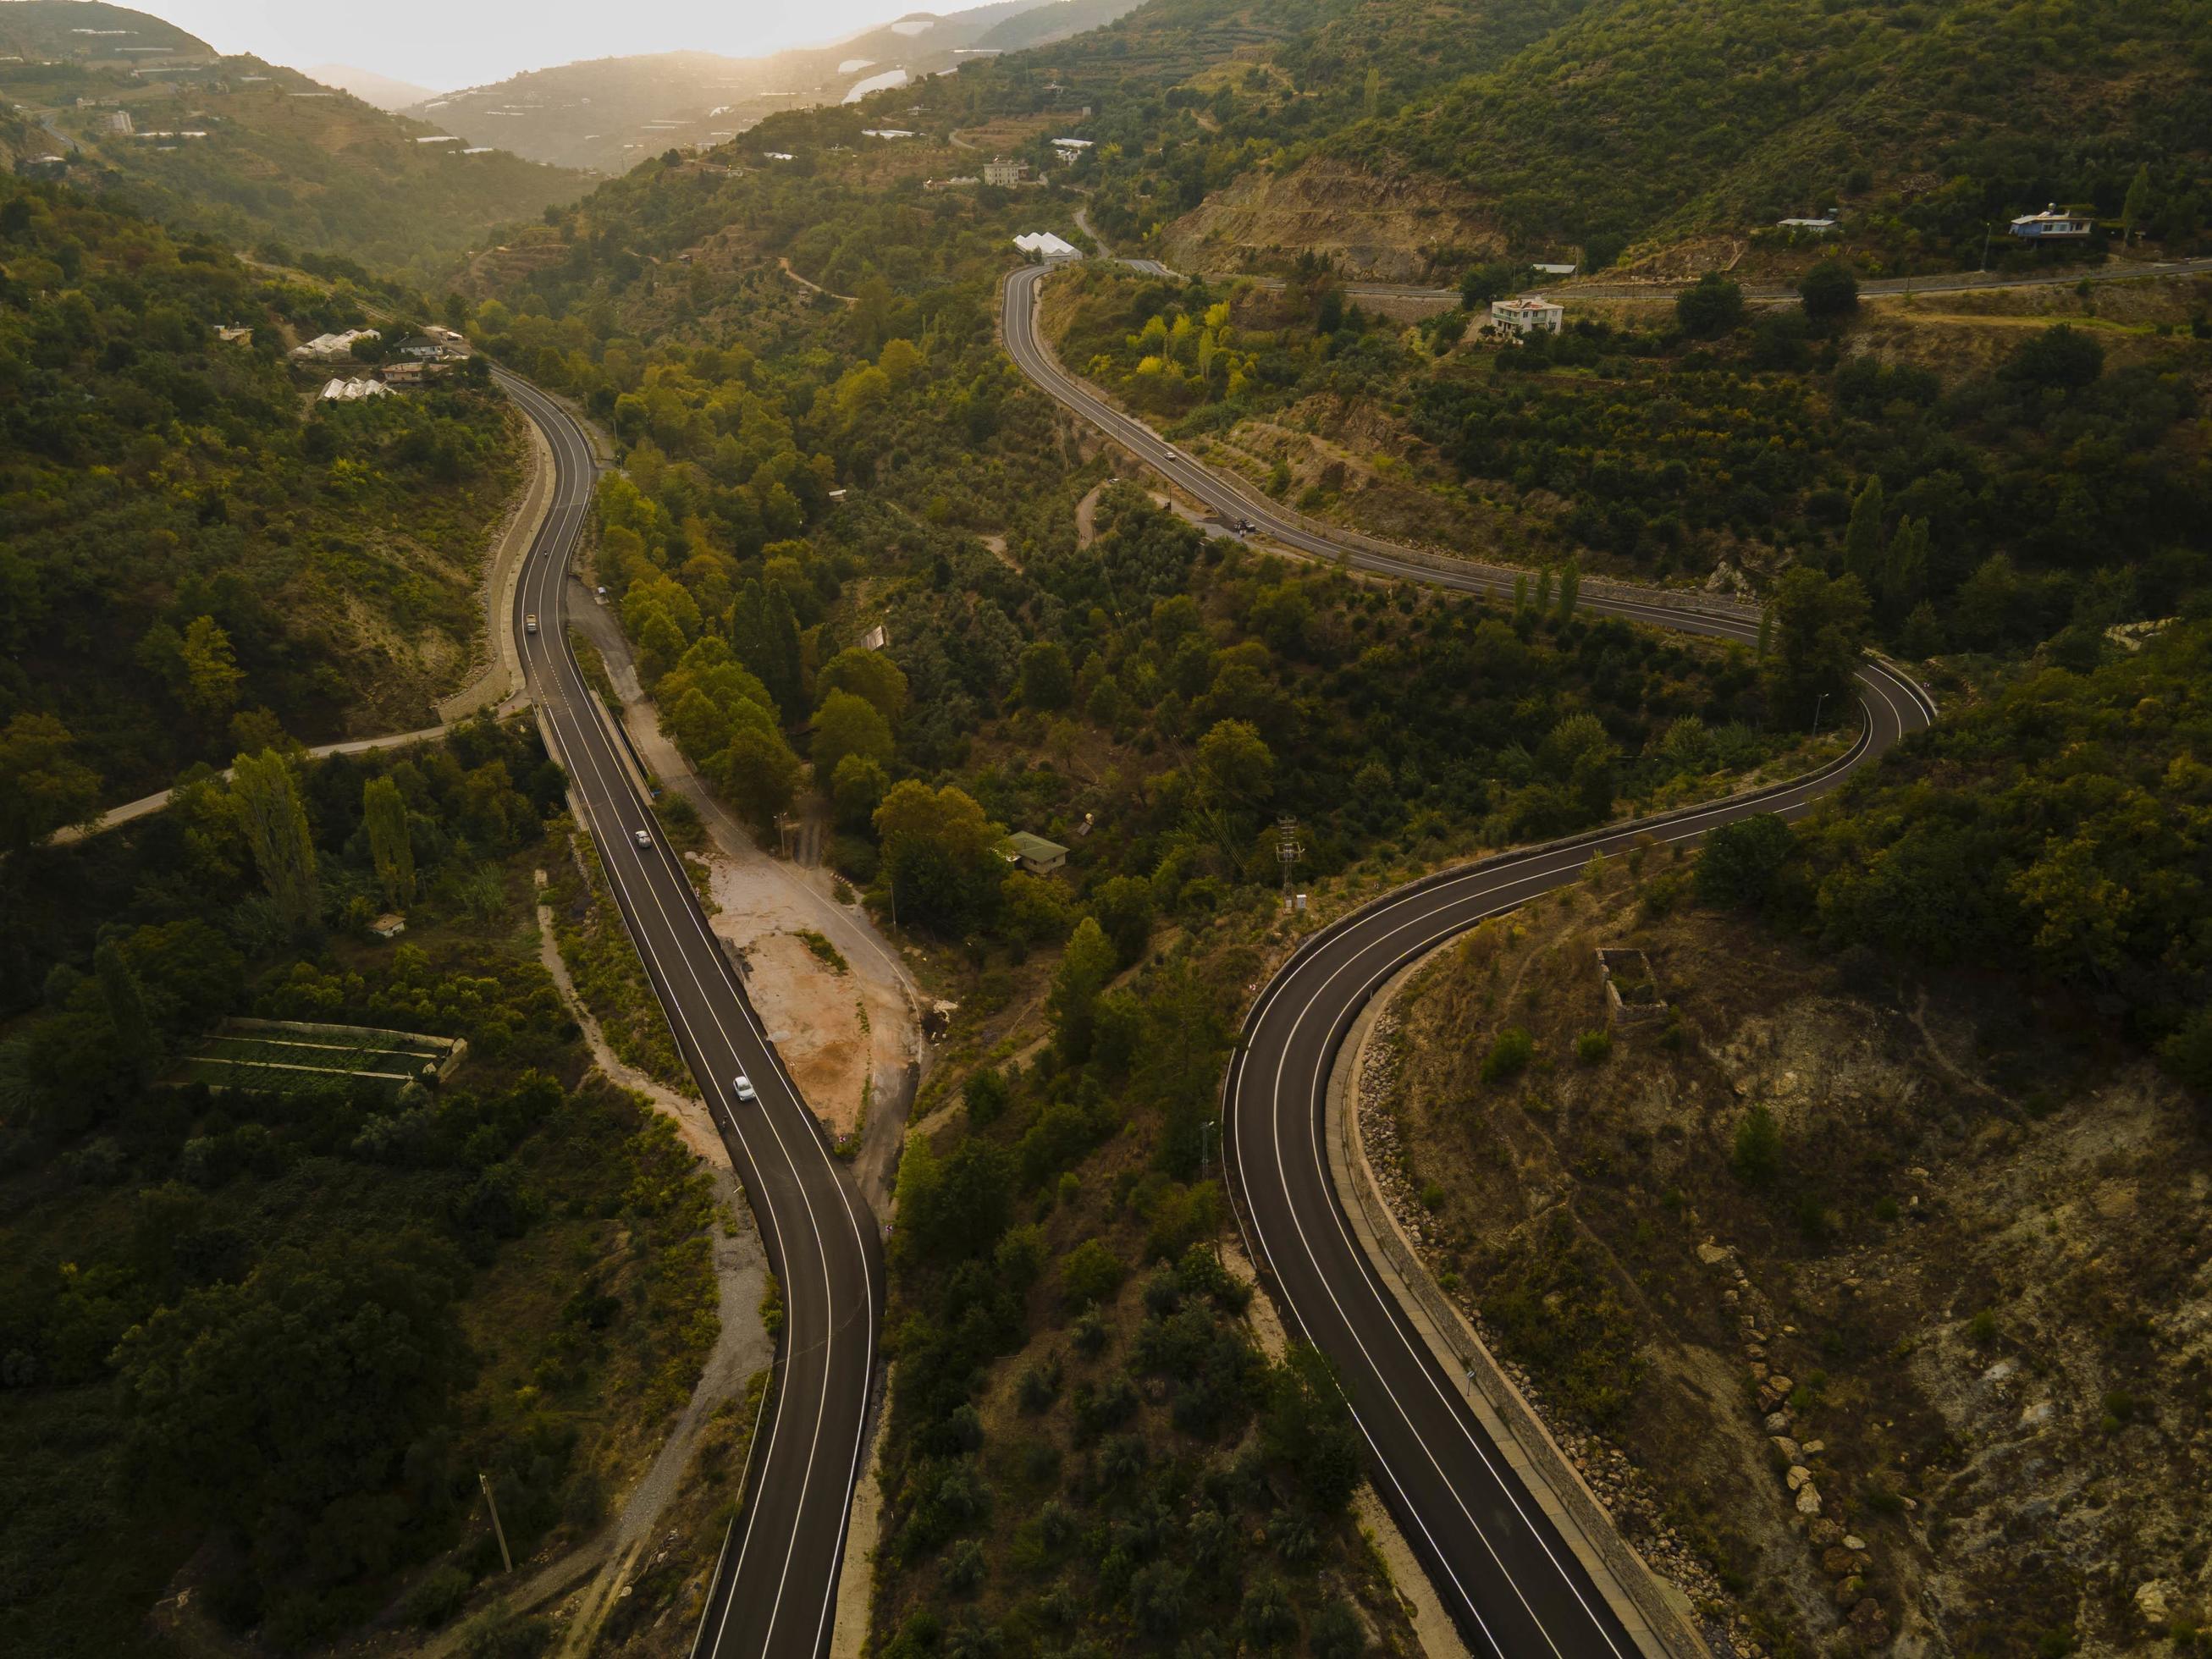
{"points": [[1043, 245], [1070, 151], [999, 170], [1529, 313], [1810, 227], [347, 392], [119, 122], [885, 132], [1567, 270], [2051, 225]]}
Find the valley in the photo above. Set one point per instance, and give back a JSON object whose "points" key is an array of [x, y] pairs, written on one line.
{"points": [[1413, 891]]}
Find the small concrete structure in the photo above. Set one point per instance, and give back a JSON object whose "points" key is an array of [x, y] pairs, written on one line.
{"points": [[1810, 227], [391, 925], [1631, 995], [1034, 854]]}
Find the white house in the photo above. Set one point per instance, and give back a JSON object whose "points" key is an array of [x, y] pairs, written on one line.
{"points": [[2051, 225], [1070, 151], [1531, 313], [999, 170], [1811, 226]]}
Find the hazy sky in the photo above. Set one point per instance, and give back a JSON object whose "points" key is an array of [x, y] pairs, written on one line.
{"points": [[444, 44]]}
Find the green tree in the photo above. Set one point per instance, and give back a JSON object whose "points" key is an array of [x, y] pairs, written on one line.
{"points": [[1819, 638], [764, 634], [1570, 589], [1862, 538], [846, 726], [286, 1404], [2136, 208], [1073, 1005], [1123, 905], [1236, 769], [1829, 290], [857, 788], [1737, 866], [869, 674], [758, 774], [43, 785], [1046, 681], [1711, 308], [1089, 1274], [212, 676], [390, 843], [276, 825], [1756, 1156], [2062, 358], [941, 863], [135, 1040], [1903, 568]]}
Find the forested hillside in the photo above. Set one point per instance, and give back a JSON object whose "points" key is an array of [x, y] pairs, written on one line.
{"points": [[269, 1341], [2017, 469], [1412, 138], [276, 160], [195, 548]]}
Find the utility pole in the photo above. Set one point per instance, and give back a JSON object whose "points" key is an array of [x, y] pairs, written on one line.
{"points": [[1819, 703], [1985, 248], [1288, 852], [498, 1531]]}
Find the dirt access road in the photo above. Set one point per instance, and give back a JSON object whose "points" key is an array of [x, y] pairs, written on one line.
{"points": [[850, 1035]]}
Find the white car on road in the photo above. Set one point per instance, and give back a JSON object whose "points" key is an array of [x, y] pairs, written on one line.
{"points": [[742, 1086]]}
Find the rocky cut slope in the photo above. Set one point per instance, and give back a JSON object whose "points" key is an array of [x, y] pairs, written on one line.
{"points": [[1851, 1329]]}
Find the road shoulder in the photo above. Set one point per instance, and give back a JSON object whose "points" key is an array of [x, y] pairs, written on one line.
{"points": [[1656, 1613]]}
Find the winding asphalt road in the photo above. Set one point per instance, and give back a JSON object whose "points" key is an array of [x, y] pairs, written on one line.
{"points": [[1510, 1581], [775, 1584]]}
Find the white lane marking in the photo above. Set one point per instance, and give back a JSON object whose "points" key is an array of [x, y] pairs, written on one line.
{"points": [[1017, 320], [1550, 870], [822, 1255]]}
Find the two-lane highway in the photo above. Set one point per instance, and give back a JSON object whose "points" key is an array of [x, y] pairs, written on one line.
{"points": [[1509, 1579], [775, 1587]]}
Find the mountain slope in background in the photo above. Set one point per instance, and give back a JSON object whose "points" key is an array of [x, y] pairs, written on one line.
{"points": [[92, 32], [1409, 138], [609, 113], [250, 151], [371, 87]]}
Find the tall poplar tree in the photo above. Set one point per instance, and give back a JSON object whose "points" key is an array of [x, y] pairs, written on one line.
{"points": [[390, 845], [277, 829]]}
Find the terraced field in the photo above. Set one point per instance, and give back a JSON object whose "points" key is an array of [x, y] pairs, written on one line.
{"points": [[253, 1054]]}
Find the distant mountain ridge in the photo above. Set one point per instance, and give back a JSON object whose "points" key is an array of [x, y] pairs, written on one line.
{"points": [[152, 118], [607, 114], [381, 90]]}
